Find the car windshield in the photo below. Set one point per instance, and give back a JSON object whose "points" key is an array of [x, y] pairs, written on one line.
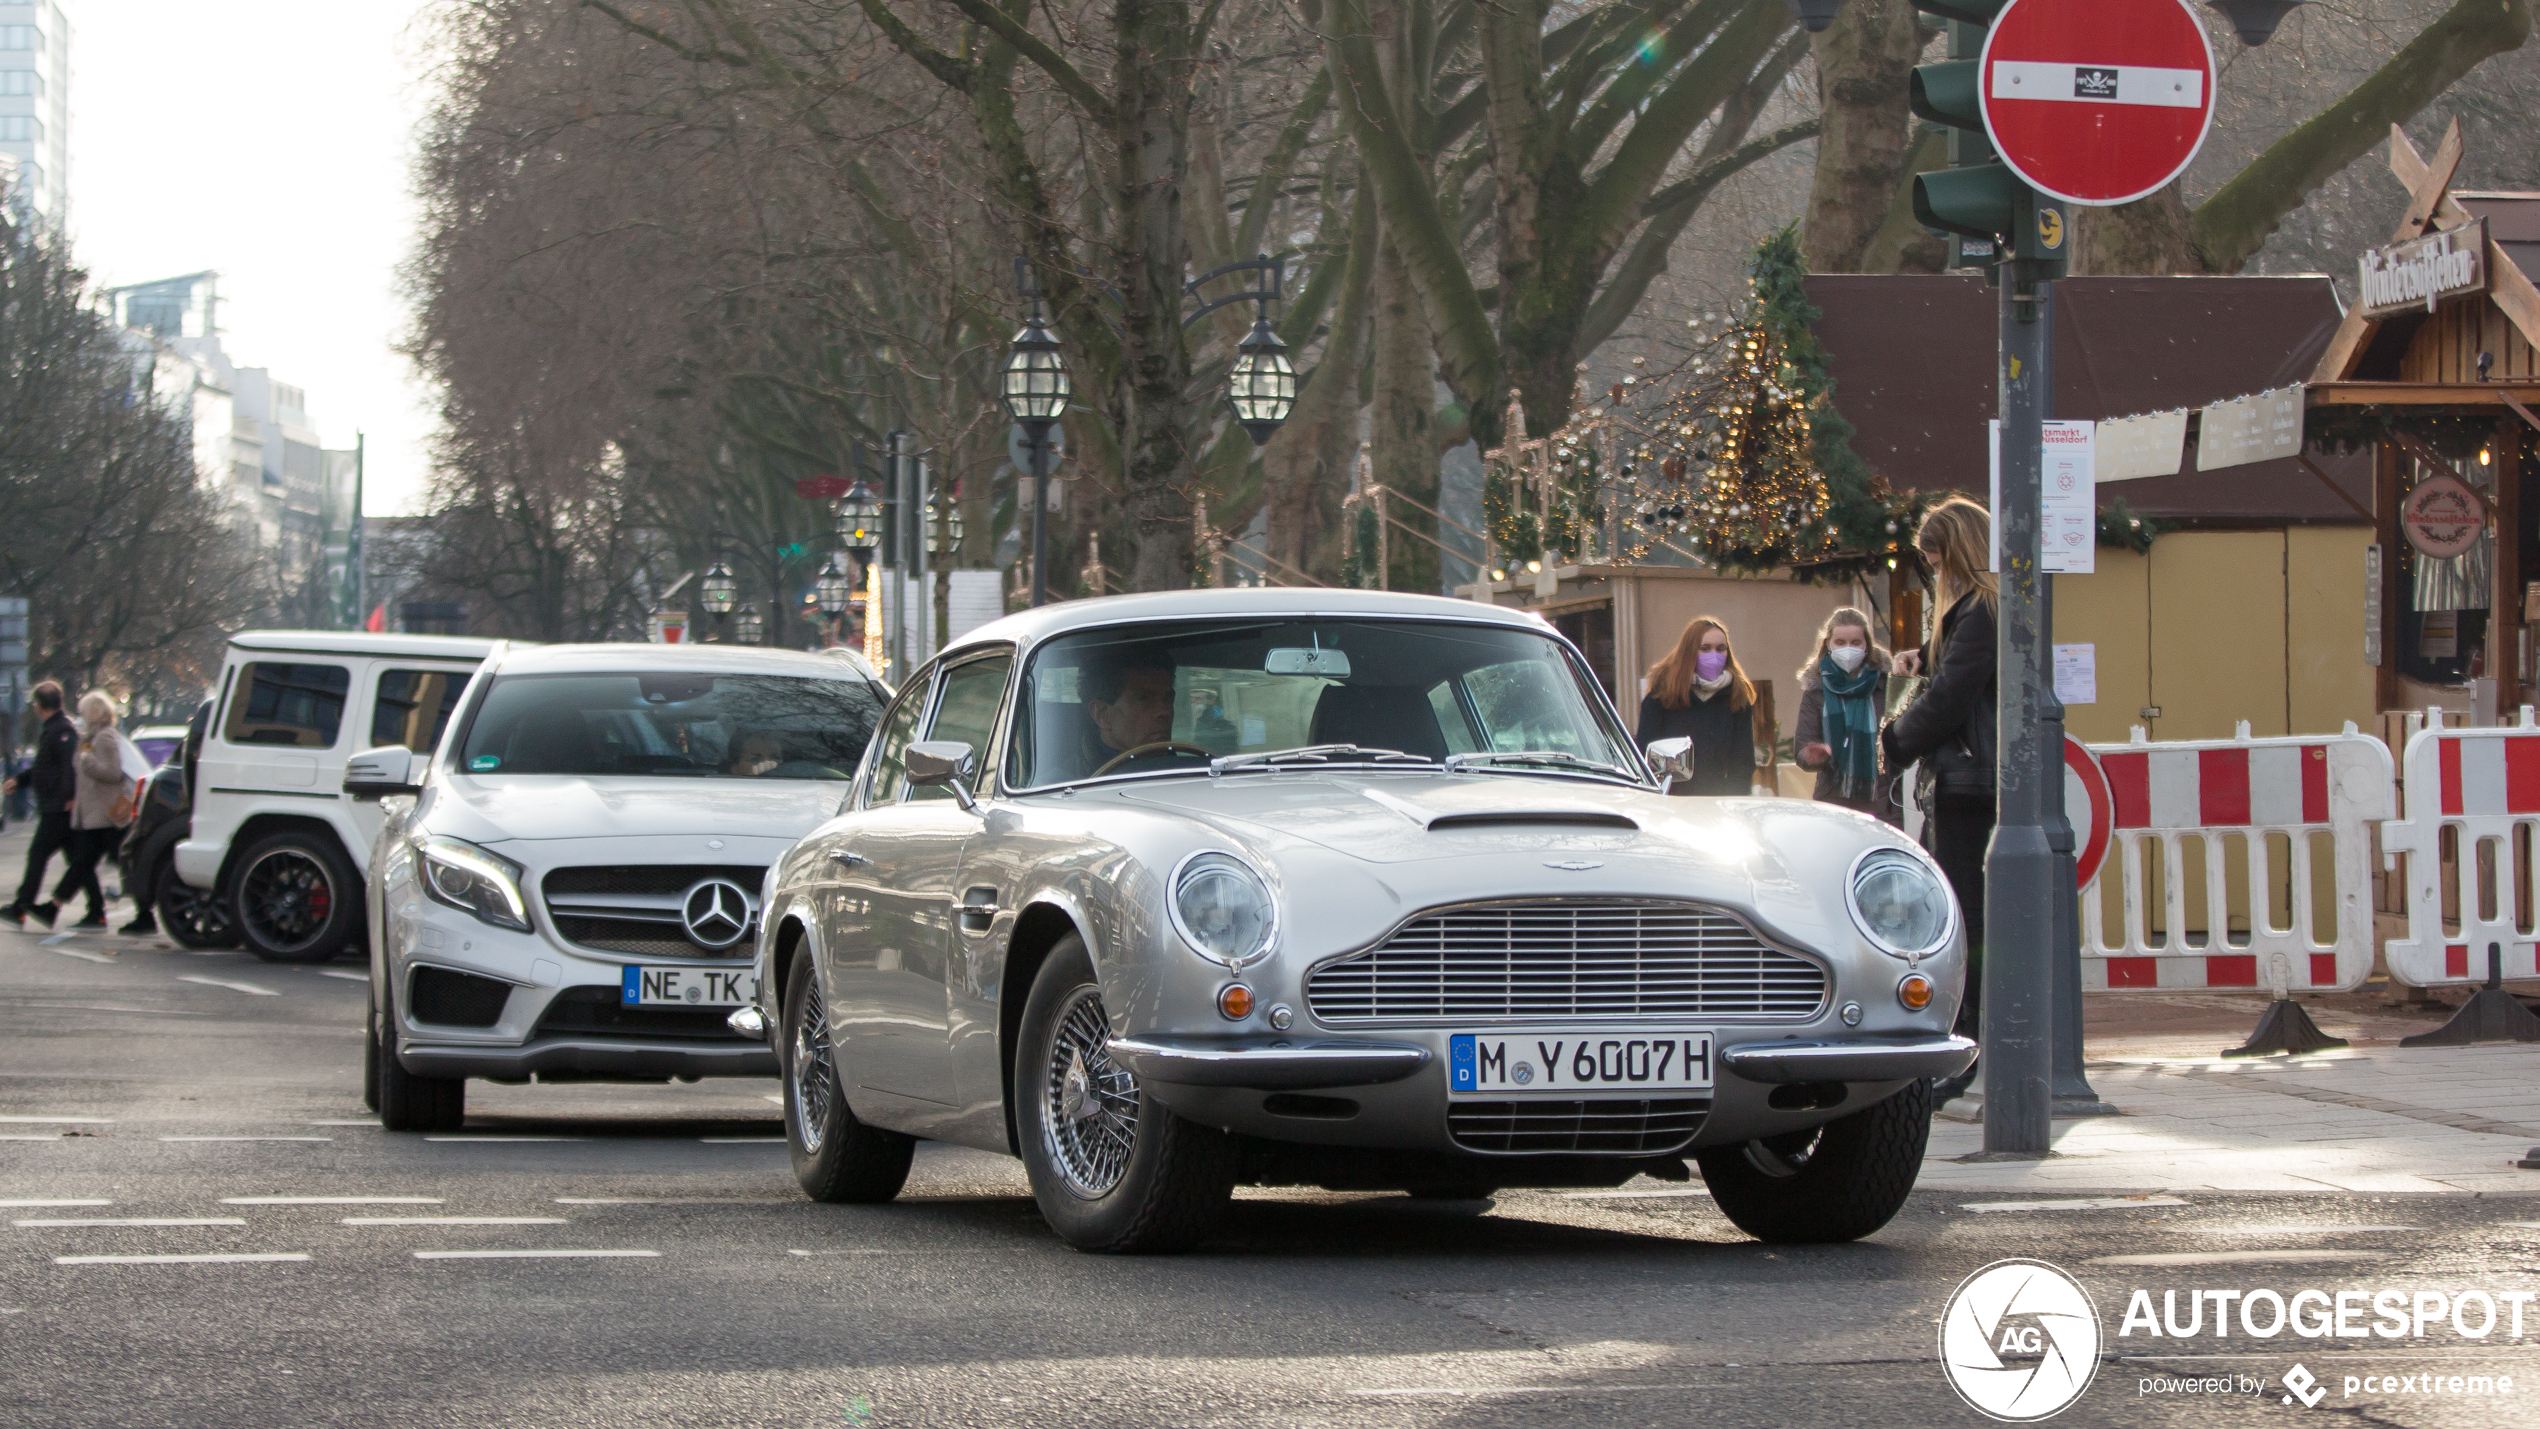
{"points": [[671, 725], [1170, 696]]}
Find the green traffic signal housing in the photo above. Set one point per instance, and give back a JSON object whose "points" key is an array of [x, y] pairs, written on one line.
{"points": [[1978, 202], [1978, 13], [1976, 196]]}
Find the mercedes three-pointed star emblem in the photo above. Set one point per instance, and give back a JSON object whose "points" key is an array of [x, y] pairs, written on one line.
{"points": [[716, 912]]}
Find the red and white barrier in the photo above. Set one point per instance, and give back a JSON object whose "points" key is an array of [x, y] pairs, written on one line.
{"points": [[2164, 794], [2483, 785]]}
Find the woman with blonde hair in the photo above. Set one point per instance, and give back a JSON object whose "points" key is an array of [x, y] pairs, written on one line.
{"points": [[1699, 691], [100, 809], [1950, 727], [1842, 694]]}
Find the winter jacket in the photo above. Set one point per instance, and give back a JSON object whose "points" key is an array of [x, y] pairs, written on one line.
{"points": [[1812, 730], [1951, 723], [1723, 741], [101, 780], [52, 778]]}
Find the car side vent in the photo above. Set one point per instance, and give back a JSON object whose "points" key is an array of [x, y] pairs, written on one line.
{"points": [[457, 999], [1572, 817]]}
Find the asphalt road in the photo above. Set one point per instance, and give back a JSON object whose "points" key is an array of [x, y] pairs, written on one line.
{"points": [[222, 1096]]}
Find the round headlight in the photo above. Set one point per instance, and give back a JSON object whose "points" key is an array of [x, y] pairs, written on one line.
{"points": [[1222, 909], [1900, 903]]}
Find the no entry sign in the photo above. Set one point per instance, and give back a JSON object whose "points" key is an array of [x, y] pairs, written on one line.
{"points": [[2097, 101], [2090, 806]]}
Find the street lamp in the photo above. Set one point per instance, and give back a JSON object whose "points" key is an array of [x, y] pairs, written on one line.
{"points": [[1262, 386], [2254, 21], [943, 533], [1035, 391], [832, 591], [717, 591], [751, 625], [859, 518]]}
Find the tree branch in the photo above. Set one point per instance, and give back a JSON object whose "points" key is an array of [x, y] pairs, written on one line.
{"points": [[1094, 102]]}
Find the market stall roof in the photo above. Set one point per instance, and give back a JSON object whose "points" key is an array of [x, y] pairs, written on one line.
{"points": [[1913, 363]]}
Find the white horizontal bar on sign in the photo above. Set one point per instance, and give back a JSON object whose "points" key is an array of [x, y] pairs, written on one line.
{"points": [[2099, 84]]}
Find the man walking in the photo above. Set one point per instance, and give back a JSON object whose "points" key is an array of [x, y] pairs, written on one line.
{"points": [[55, 782]]}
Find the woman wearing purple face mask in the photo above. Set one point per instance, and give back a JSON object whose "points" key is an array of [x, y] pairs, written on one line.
{"points": [[1698, 691]]}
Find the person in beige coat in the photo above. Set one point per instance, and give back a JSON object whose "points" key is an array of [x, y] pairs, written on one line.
{"points": [[100, 808]]}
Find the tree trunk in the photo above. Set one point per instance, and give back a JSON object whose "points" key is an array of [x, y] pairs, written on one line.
{"points": [[1151, 100], [2149, 236], [1308, 466], [1403, 449], [1863, 60]]}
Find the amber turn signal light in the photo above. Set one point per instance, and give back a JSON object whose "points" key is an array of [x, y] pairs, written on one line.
{"points": [[1914, 992], [1234, 1000]]}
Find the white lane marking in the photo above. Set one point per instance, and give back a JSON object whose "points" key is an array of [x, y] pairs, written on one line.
{"points": [[2523, 1225], [246, 1138], [1632, 1195], [32, 1205], [1527, 1389], [807, 1254], [537, 1255], [345, 974], [62, 1120], [86, 957], [2096, 1203], [503, 1138], [2282, 1230], [175, 1259], [58, 939], [2239, 1257], [454, 1221], [365, 1121], [771, 1096], [110, 1007], [742, 1140], [247, 987], [330, 1200], [129, 1221]]}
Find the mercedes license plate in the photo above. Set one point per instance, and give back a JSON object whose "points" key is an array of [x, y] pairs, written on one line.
{"points": [[689, 987], [1570, 1062]]}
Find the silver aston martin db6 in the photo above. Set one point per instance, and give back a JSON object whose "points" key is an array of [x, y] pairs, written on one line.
{"points": [[1169, 893]]}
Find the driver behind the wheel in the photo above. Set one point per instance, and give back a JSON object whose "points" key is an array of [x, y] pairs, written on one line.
{"points": [[1128, 695]]}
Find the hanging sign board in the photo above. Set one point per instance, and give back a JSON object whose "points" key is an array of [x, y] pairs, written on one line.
{"points": [[2442, 517], [2263, 427], [2132, 448], [2097, 101], [2421, 272]]}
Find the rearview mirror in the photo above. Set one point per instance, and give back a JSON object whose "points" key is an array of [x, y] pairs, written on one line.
{"points": [[1671, 760], [388, 770], [1301, 660], [946, 762]]}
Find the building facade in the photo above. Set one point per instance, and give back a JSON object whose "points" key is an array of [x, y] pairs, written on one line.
{"points": [[35, 107]]}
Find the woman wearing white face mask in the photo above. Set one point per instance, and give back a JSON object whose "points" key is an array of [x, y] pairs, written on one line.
{"points": [[1843, 694]]}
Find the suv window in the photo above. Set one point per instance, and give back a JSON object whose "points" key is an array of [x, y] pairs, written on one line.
{"points": [[415, 706], [299, 705], [890, 762], [966, 710]]}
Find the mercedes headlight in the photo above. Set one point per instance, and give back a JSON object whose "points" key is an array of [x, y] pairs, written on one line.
{"points": [[1899, 903], [1223, 909], [474, 880]]}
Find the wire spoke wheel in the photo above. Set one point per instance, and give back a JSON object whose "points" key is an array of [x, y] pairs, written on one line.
{"points": [[288, 897], [815, 1081], [1089, 1103]]}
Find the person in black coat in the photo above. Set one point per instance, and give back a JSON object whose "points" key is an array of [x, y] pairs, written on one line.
{"points": [[1699, 691], [56, 785], [1950, 727]]}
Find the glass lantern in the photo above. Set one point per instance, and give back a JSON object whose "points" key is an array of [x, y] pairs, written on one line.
{"points": [[859, 519], [750, 625], [1262, 386], [835, 586], [1036, 385], [718, 590]]}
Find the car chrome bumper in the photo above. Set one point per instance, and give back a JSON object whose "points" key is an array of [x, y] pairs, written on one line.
{"points": [[1863, 1059], [614, 1057], [1269, 1064]]}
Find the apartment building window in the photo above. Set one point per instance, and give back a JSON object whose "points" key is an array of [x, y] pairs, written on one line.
{"points": [[21, 81], [21, 37], [20, 129]]}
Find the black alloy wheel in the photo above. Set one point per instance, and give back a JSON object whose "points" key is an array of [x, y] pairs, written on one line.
{"points": [[193, 917], [297, 898]]}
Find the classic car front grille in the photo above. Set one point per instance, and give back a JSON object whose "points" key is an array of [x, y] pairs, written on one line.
{"points": [[1566, 960], [634, 909], [1609, 1125], [601, 1012]]}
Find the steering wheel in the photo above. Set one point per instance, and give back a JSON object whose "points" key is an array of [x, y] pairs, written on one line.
{"points": [[1175, 745]]}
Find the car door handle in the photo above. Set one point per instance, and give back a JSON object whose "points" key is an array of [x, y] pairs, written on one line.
{"points": [[849, 857]]}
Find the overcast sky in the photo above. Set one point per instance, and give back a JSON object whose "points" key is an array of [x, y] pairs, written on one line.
{"points": [[270, 140]]}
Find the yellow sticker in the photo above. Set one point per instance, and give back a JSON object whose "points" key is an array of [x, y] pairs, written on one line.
{"points": [[2050, 228]]}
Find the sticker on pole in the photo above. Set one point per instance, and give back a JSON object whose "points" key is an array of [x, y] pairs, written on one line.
{"points": [[2097, 102], [2091, 807]]}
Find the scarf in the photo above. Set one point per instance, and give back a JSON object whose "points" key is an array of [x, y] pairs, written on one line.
{"points": [[1852, 725], [1704, 689]]}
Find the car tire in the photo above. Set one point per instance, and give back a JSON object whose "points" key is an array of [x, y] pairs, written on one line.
{"points": [[191, 917], [404, 1101], [296, 897], [1830, 1183], [837, 1158], [1074, 1108]]}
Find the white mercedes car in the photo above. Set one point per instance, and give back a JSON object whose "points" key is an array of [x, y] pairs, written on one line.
{"points": [[567, 888]]}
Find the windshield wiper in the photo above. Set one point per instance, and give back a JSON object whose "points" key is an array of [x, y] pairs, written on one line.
{"points": [[1316, 754], [1538, 757]]}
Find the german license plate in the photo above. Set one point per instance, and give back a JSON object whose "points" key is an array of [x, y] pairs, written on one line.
{"points": [[1570, 1062], [689, 987]]}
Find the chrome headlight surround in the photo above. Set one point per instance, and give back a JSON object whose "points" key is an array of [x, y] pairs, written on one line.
{"points": [[1204, 930], [476, 881], [1901, 874]]}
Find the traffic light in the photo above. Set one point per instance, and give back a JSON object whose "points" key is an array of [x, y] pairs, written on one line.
{"points": [[1977, 200]]}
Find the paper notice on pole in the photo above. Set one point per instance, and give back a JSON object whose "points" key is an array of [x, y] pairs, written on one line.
{"points": [[2247, 429], [2077, 674], [2132, 448], [2068, 514]]}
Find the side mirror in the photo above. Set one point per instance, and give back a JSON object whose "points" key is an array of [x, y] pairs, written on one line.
{"points": [[945, 762], [379, 773], [1671, 760]]}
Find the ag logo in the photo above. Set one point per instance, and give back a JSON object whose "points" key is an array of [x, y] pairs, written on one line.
{"points": [[2050, 227], [2019, 1341]]}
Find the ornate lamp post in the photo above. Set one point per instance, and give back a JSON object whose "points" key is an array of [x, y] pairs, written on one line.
{"points": [[717, 592], [750, 625], [1261, 386], [944, 528], [1036, 390], [859, 519], [834, 588]]}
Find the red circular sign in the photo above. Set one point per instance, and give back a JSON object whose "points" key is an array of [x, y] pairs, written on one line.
{"points": [[2090, 807], [2442, 517], [2097, 101]]}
